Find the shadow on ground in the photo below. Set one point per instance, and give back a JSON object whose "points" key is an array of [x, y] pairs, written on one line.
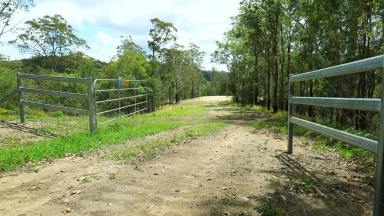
{"points": [[26, 129], [300, 187], [302, 192]]}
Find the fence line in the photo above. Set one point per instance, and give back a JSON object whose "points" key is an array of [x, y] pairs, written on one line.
{"points": [[367, 104], [90, 97]]}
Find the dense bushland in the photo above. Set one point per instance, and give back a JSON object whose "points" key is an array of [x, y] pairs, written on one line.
{"points": [[271, 39]]}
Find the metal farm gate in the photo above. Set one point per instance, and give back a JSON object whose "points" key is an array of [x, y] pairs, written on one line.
{"points": [[130, 96], [367, 104]]}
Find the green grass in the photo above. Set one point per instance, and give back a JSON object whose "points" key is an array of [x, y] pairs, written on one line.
{"points": [[152, 148], [274, 181], [65, 124], [268, 208], [277, 122], [16, 155]]}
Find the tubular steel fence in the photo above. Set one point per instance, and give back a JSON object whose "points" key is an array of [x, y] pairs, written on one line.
{"points": [[92, 97], [366, 104]]}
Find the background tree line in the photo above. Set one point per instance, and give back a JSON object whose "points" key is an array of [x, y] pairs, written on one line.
{"points": [[173, 71], [271, 39]]}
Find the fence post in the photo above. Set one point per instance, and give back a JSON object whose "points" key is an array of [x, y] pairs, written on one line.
{"points": [[21, 105], [119, 101], [92, 105], [290, 112], [146, 96], [135, 94], [378, 208]]}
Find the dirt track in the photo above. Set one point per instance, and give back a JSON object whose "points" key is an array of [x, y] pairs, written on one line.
{"points": [[227, 173]]}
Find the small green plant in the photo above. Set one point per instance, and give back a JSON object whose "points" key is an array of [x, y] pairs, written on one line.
{"points": [[268, 208], [274, 181]]}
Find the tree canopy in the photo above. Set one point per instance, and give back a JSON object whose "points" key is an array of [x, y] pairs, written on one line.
{"points": [[50, 37], [173, 72], [8, 10], [271, 39]]}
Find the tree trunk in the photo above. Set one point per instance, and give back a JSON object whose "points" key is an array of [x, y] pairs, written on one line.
{"points": [[289, 64], [282, 65], [268, 90], [256, 92]]}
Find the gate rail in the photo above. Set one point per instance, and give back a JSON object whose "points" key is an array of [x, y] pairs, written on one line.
{"points": [[366, 104], [90, 96]]}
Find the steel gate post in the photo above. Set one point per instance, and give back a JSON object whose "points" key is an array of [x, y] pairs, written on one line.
{"points": [[119, 102], [146, 95], [92, 105], [21, 105], [134, 94], [366, 104], [378, 208], [290, 112]]}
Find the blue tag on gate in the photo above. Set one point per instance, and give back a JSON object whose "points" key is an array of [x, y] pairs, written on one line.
{"points": [[119, 82]]}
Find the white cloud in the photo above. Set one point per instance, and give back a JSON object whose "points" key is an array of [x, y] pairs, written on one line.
{"points": [[104, 47], [101, 22]]}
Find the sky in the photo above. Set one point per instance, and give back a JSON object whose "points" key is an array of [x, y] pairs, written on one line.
{"points": [[102, 22]]}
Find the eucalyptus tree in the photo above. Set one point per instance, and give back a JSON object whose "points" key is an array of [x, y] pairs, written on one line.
{"points": [[127, 44], [250, 18], [161, 34], [194, 58], [230, 52], [271, 39], [131, 63], [175, 62], [9, 10], [50, 37]]}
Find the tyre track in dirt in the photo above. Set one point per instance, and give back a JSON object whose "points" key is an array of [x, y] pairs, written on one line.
{"points": [[187, 180]]}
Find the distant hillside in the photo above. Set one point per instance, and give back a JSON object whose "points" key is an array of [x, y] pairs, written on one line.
{"points": [[211, 75], [217, 83]]}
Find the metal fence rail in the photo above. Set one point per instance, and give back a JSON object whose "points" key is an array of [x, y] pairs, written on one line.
{"points": [[90, 97], [51, 78], [366, 104], [120, 99], [54, 107]]}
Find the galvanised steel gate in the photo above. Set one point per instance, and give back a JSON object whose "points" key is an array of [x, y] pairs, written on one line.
{"points": [[367, 104], [138, 97], [133, 94]]}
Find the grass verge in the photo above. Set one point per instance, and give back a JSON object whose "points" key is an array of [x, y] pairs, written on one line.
{"points": [[171, 117], [152, 148], [277, 123]]}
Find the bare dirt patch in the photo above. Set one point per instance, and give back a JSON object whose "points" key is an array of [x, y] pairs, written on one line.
{"points": [[16, 132], [227, 173]]}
